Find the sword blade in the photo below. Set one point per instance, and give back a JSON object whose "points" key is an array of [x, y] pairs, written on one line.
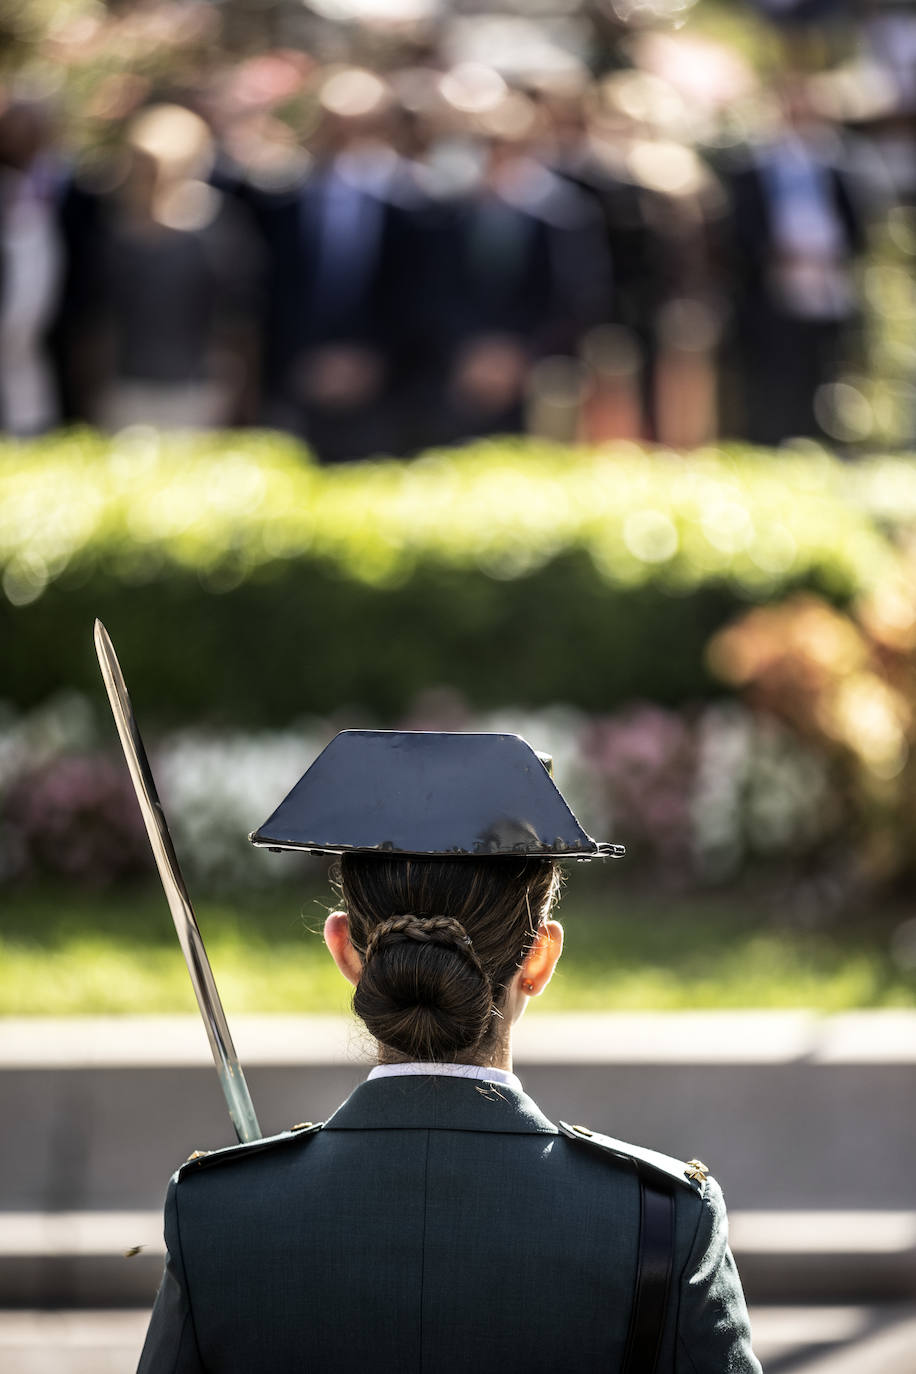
{"points": [[228, 1068]]}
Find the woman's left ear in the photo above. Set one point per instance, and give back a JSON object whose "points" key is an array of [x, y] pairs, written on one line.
{"points": [[337, 939], [541, 959]]}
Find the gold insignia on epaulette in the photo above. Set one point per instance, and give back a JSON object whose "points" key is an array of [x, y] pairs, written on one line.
{"points": [[696, 1170], [583, 1130], [301, 1125], [198, 1154]]}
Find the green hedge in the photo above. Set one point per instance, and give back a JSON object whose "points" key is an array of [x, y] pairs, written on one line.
{"points": [[242, 582]]}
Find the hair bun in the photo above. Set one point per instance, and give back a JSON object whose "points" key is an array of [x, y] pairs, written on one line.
{"points": [[423, 989]]}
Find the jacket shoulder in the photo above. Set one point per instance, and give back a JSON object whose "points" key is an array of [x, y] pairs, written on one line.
{"points": [[691, 1174], [209, 1159]]}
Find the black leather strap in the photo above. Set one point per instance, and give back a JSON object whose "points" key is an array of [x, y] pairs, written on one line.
{"points": [[653, 1275]]}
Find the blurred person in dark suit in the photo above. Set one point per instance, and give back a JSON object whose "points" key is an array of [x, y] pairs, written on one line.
{"points": [[592, 156], [651, 373], [342, 279], [176, 273], [798, 226], [47, 222], [530, 273], [586, 144]]}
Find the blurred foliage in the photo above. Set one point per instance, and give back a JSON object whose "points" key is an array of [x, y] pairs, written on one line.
{"points": [[881, 407], [65, 954], [241, 582], [98, 63], [24, 25], [845, 682], [741, 28]]}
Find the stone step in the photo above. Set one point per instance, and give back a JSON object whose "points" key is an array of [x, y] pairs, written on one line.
{"points": [[71, 1342], [690, 1037], [803, 1119], [115, 1258], [788, 1340], [790, 1111]]}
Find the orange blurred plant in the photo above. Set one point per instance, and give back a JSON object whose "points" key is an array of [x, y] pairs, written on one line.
{"points": [[845, 680]]}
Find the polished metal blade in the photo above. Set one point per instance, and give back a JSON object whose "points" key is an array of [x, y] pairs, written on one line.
{"points": [[232, 1079]]}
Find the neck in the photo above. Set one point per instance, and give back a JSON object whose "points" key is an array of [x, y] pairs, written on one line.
{"points": [[494, 1056]]}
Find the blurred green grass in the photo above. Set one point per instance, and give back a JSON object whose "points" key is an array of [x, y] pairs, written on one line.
{"points": [[74, 953]]}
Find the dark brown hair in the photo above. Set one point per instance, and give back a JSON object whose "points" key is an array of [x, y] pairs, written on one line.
{"points": [[440, 939]]}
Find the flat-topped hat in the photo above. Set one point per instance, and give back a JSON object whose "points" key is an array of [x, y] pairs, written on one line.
{"points": [[423, 792]]}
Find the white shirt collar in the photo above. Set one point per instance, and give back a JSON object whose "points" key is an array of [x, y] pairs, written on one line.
{"points": [[477, 1071]]}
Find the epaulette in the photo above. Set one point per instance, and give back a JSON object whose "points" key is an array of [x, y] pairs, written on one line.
{"points": [[691, 1173], [204, 1159]]}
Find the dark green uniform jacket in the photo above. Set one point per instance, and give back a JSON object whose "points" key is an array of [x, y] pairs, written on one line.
{"points": [[433, 1224]]}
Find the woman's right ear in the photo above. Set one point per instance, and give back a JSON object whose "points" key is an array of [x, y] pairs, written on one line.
{"points": [[337, 939]]}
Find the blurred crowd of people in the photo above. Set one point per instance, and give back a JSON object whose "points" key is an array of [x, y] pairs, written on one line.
{"points": [[383, 260]]}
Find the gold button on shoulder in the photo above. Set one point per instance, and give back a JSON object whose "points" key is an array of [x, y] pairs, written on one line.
{"points": [[198, 1154], [583, 1130], [301, 1125], [696, 1170]]}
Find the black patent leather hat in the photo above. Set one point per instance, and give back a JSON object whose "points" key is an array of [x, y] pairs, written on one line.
{"points": [[423, 792]]}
